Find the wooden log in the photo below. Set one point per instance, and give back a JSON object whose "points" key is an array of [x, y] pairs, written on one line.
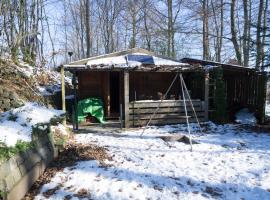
{"points": [[166, 116], [177, 138], [165, 103], [165, 121], [163, 110]]}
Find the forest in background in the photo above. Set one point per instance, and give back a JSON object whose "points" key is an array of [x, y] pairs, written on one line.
{"points": [[41, 32]]}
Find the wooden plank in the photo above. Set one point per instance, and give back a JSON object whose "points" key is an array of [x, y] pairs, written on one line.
{"points": [[163, 110], [165, 116], [172, 103], [165, 122]]}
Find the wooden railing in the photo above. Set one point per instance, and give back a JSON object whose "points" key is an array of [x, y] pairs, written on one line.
{"points": [[169, 112]]}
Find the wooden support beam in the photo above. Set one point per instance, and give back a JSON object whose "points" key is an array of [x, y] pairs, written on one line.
{"points": [[63, 92], [75, 88], [206, 95], [126, 98]]}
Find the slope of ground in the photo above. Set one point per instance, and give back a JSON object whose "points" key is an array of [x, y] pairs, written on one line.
{"points": [[230, 162], [20, 83]]}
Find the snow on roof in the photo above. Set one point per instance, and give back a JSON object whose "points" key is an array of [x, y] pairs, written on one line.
{"points": [[119, 60]]}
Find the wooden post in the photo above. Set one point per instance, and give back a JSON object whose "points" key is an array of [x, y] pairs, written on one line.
{"points": [[121, 116], [126, 98], [63, 92], [206, 95], [75, 85]]}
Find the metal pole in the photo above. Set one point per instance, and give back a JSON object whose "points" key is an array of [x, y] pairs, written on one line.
{"points": [[154, 114], [181, 80], [191, 104]]}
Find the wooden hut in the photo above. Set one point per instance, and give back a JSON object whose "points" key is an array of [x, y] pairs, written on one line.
{"points": [[136, 80], [132, 84]]}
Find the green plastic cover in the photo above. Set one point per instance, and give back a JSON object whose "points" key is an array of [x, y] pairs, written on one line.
{"points": [[92, 106]]}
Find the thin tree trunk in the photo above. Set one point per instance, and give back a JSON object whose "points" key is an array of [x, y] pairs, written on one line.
{"points": [[206, 55], [87, 28], [258, 36], [245, 34], [234, 34]]}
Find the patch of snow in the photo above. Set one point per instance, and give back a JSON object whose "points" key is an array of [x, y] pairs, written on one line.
{"points": [[162, 61], [208, 67], [228, 163], [48, 90], [244, 116], [17, 124], [70, 97], [60, 128], [43, 90], [26, 69], [267, 108]]}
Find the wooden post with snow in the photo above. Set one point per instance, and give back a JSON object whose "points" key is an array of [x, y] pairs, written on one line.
{"points": [[63, 92], [206, 95], [126, 98]]}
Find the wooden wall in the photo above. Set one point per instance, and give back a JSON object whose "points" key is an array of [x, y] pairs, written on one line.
{"points": [[147, 85], [246, 89], [95, 84], [170, 112]]}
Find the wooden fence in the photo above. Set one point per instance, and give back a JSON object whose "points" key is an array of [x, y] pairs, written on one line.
{"points": [[246, 89], [170, 112]]}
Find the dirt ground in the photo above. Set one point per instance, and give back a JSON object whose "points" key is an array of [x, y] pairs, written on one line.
{"points": [[72, 153]]}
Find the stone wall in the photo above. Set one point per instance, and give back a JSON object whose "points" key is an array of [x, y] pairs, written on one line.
{"points": [[18, 174], [9, 99]]}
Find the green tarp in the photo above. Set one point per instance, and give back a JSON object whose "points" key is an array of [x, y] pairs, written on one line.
{"points": [[92, 106]]}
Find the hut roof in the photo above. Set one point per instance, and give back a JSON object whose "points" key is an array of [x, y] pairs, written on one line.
{"points": [[132, 59]]}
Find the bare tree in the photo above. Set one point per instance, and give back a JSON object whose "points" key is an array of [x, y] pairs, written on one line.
{"points": [[234, 34]]}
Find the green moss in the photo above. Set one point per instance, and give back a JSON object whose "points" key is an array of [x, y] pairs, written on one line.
{"points": [[220, 99], [3, 194], [8, 152]]}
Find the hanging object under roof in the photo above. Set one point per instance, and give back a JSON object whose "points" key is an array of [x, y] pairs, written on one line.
{"points": [[144, 59]]}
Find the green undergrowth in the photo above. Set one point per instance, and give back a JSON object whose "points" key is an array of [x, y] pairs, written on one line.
{"points": [[7, 152]]}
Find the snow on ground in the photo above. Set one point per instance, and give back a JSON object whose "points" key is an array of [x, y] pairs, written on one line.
{"points": [[267, 108], [17, 124], [229, 162], [244, 116]]}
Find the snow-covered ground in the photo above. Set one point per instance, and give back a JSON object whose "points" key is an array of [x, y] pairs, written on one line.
{"points": [[17, 124], [267, 108], [244, 116], [229, 162]]}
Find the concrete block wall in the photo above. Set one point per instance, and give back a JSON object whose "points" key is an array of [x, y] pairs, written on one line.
{"points": [[19, 173]]}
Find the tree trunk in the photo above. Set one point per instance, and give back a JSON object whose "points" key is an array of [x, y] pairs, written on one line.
{"points": [[170, 28], [234, 34], [206, 55], [259, 46], [245, 34], [87, 28]]}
